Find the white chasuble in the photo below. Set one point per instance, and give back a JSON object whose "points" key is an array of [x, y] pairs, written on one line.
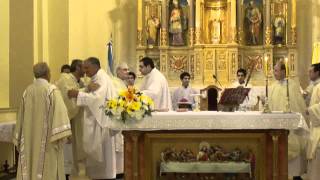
{"points": [[313, 150], [296, 141], [120, 85], [41, 129], [97, 138], [66, 82], [155, 86]]}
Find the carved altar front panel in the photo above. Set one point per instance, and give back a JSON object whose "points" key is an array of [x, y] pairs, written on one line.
{"points": [[157, 143], [143, 151]]}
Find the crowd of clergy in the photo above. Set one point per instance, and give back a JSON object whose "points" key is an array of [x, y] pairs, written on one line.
{"points": [[70, 110]]}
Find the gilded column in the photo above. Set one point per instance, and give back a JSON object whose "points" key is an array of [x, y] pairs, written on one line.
{"points": [[164, 21], [233, 21], [240, 21], [198, 21], [139, 25], [191, 13], [191, 23], [293, 22], [164, 24], [268, 38]]}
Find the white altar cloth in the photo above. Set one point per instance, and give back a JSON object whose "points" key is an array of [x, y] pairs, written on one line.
{"points": [[213, 120], [205, 167]]}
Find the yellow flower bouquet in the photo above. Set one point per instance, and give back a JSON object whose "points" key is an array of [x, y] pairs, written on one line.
{"points": [[129, 105]]}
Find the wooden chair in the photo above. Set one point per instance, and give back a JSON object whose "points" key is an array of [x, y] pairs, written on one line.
{"points": [[209, 102]]}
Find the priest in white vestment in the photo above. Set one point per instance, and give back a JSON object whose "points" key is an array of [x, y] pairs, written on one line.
{"points": [[119, 82], [41, 129], [277, 102], [66, 82], [313, 82], [99, 143], [184, 93], [313, 148], [155, 85]]}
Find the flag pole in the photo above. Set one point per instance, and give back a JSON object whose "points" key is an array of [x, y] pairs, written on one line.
{"points": [[110, 55]]}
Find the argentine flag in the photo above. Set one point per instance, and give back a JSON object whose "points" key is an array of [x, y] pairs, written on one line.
{"points": [[110, 56]]}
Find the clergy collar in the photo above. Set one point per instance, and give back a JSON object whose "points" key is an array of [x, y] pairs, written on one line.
{"points": [[316, 81], [41, 81], [74, 77], [151, 72], [185, 87], [282, 81], [93, 78]]}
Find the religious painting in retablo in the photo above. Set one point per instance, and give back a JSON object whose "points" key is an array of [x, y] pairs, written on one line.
{"points": [[253, 22], [178, 22]]}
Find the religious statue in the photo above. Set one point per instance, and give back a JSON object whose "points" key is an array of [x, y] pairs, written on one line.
{"points": [[254, 19], [153, 25], [214, 29], [185, 14], [176, 24], [279, 29]]}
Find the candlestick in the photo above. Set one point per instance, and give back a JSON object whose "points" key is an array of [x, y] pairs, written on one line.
{"points": [[287, 67], [287, 110], [267, 82], [266, 65], [266, 108]]}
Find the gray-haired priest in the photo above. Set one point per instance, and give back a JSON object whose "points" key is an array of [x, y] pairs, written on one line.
{"points": [[41, 129], [98, 141]]}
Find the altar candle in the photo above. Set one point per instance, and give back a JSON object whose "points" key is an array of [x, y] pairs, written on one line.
{"points": [[266, 66], [267, 86], [288, 88], [287, 67]]}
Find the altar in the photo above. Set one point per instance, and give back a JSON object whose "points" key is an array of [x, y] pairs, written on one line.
{"points": [[169, 145]]}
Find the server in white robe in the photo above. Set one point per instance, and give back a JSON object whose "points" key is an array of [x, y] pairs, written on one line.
{"points": [[313, 82], [155, 85], [251, 100], [184, 93], [241, 79], [98, 140]]}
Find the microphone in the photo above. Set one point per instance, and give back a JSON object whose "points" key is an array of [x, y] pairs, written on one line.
{"points": [[215, 77]]}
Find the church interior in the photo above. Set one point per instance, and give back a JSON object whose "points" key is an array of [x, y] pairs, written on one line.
{"points": [[210, 39]]}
